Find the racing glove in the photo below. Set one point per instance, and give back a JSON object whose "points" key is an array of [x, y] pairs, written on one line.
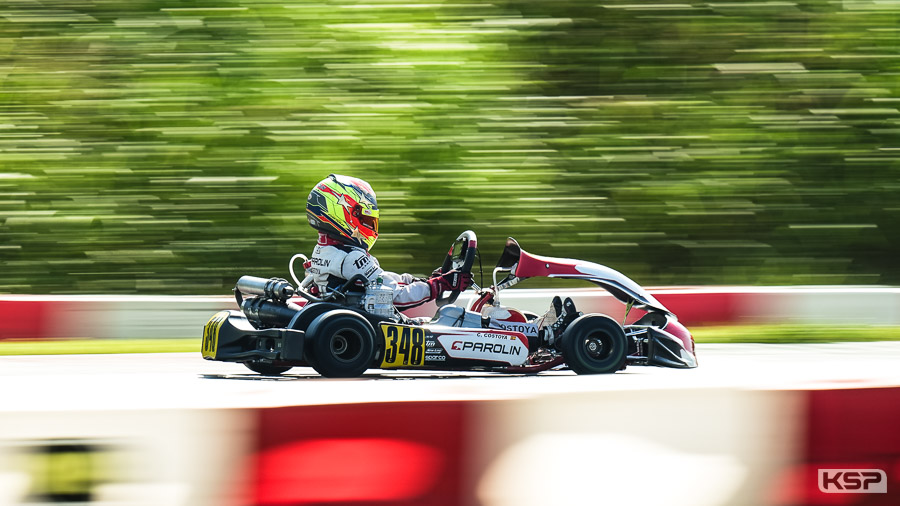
{"points": [[453, 280]]}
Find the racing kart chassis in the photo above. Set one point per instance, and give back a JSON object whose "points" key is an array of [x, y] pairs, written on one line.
{"points": [[336, 335]]}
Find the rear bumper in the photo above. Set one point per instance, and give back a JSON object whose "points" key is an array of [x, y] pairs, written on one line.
{"points": [[229, 337]]}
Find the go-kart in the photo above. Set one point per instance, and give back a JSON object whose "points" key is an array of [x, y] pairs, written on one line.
{"points": [[355, 327]]}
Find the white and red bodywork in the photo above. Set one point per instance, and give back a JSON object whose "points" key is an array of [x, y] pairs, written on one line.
{"points": [[660, 325]]}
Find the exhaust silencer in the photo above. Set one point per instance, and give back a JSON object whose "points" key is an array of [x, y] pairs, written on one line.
{"points": [[276, 289]]}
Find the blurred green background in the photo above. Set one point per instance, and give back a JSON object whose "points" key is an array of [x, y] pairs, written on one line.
{"points": [[154, 146]]}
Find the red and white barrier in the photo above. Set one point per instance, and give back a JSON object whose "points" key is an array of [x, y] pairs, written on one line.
{"points": [[110, 317], [124, 457], [672, 447], [668, 447], [106, 316], [849, 431], [753, 425]]}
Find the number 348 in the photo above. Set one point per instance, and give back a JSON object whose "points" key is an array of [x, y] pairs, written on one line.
{"points": [[405, 342]]}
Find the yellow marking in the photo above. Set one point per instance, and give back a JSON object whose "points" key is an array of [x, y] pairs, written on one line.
{"points": [[211, 334], [65, 472], [404, 346]]}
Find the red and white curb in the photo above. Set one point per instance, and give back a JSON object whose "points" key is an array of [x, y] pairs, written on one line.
{"points": [[109, 317], [670, 447]]}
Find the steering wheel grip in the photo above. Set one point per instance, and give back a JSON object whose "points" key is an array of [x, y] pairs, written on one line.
{"points": [[462, 262]]}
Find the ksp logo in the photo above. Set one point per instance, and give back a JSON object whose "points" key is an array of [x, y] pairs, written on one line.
{"points": [[852, 481]]}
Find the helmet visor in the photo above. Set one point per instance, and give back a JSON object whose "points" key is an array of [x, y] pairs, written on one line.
{"points": [[370, 222]]}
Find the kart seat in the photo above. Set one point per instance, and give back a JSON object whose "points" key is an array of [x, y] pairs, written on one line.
{"points": [[452, 315]]}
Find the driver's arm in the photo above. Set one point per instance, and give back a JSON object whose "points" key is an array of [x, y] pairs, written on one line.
{"points": [[409, 291]]}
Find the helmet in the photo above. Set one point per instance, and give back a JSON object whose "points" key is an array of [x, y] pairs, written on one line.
{"points": [[344, 208]]}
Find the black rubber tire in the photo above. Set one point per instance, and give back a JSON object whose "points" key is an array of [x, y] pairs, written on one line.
{"points": [[342, 347], [267, 369], [595, 344]]}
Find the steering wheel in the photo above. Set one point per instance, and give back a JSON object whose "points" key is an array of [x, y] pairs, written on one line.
{"points": [[460, 257]]}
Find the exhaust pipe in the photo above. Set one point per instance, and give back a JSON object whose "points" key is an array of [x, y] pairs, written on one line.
{"points": [[276, 289], [264, 313]]}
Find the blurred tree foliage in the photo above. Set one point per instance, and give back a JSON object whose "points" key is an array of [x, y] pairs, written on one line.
{"points": [[162, 146]]}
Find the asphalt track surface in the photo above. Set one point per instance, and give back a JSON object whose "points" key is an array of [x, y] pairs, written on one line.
{"points": [[185, 380]]}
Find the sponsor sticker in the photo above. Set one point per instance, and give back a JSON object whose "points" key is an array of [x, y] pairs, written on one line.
{"points": [[508, 349], [360, 262], [493, 335], [320, 262], [852, 481], [529, 329]]}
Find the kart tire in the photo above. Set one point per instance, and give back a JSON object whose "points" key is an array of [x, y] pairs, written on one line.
{"points": [[267, 369], [343, 346], [594, 344]]}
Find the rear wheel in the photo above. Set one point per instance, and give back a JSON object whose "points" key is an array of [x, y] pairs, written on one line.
{"points": [[342, 347], [595, 344], [267, 369]]}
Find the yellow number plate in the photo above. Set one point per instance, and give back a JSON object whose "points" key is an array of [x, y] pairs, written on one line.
{"points": [[211, 334], [403, 346]]}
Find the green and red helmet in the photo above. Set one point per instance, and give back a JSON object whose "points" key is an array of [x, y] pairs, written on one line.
{"points": [[344, 208]]}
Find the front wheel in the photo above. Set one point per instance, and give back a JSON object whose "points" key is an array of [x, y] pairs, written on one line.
{"points": [[267, 369], [595, 344], [343, 346]]}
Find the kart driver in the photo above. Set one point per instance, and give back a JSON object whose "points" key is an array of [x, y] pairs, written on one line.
{"points": [[344, 211]]}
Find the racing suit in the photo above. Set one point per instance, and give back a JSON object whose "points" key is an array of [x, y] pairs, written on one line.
{"points": [[334, 262]]}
